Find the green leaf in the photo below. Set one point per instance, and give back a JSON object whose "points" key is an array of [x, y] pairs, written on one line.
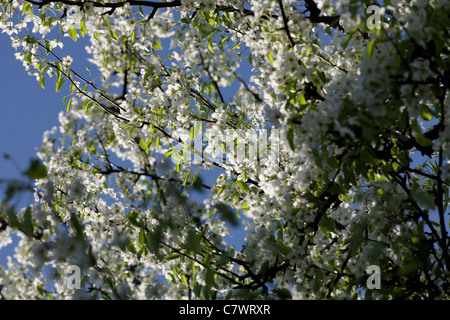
{"points": [[27, 57], [42, 80], [144, 145], [40, 289], [68, 104], [290, 137], [264, 268], [47, 46], [226, 213], [326, 224], [193, 241], [410, 266], [141, 11], [154, 240], [357, 236], [375, 251], [130, 247], [77, 226], [148, 72], [210, 47], [60, 83], [370, 47], [73, 32], [221, 42], [269, 56], [83, 29], [173, 256], [244, 176], [209, 283], [12, 216], [283, 294], [156, 44], [302, 100], [322, 76], [423, 198], [142, 237], [426, 113], [185, 20], [227, 20], [211, 21], [221, 189], [30, 39], [237, 45], [204, 31], [183, 278], [26, 8], [27, 225], [422, 140], [186, 178], [243, 186], [88, 104], [132, 216], [113, 35], [349, 37], [58, 70], [36, 170]]}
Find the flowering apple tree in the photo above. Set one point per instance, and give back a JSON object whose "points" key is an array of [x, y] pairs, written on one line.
{"points": [[326, 124]]}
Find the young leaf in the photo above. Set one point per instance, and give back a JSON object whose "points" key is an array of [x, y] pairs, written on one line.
{"points": [[221, 42], [27, 225], [210, 47], [154, 240], [36, 170], [157, 44], [244, 176], [290, 137], [283, 294], [269, 56], [59, 83], [357, 237], [73, 32], [83, 29], [237, 45], [113, 35], [12, 216], [186, 178], [243, 186], [302, 100], [68, 104], [144, 145], [193, 241], [226, 213], [370, 47], [423, 198], [42, 80], [422, 140]]}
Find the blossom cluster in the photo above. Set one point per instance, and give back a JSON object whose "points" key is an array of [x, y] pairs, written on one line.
{"points": [[352, 107]]}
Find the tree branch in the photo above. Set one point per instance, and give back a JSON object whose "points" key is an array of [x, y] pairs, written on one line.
{"points": [[285, 22], [112, 5], [314, 16]]}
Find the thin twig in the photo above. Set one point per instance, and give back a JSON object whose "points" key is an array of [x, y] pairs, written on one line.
{"points": [[285, 22]]}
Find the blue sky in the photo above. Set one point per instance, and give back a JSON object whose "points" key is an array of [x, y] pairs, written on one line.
{"points": [[26, 111]]}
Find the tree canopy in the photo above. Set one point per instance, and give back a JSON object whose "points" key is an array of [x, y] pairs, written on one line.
{"points": [[325, 123]]}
